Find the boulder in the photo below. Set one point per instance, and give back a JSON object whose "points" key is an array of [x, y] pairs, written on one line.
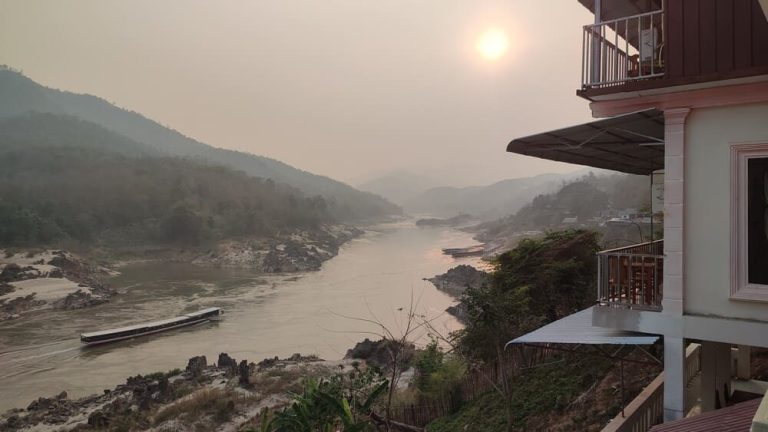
{"points": [[98, 419], [379, 353], [244, 372], [268, 362], [459, 310], [226, 362], [196, 365], [456, 280]]}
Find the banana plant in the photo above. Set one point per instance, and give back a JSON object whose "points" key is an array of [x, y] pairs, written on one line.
{"points": [[322, 407]]}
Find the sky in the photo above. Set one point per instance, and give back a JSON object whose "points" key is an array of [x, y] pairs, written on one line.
{"points": [[351, 89]]}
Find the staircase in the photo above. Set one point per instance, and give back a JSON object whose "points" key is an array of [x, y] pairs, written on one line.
{"points": [[647, 409]]}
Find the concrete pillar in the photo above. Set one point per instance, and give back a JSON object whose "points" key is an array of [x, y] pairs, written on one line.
{"points": [[674, 166], [724, 374], [672, 302], [744, 362], [715, 375], [674, 378]]}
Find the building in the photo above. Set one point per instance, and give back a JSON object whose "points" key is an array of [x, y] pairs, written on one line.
{"points": [[680, 87]]}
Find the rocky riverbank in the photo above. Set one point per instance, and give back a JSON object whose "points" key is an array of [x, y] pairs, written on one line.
{"points": [[224, 396], [455, 281], [51, 279], [297, 252], [61, 280]]}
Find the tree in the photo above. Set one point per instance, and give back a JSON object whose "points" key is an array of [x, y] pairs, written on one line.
{"points": [[183, 225], [537, 282], [343, 403]]}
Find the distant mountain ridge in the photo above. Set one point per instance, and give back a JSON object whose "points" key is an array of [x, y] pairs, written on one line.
{"points": [[20, 95], [486, 202], [399, 186]]}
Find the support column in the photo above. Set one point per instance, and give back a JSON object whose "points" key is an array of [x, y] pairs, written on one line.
{"points": [[724, 374], [715, 375], [673, 288], [674, 378], [744, 362], [674, 170]]}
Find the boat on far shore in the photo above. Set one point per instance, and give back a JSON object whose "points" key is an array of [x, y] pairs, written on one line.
{"points": [[476, 250], [122, 333]]}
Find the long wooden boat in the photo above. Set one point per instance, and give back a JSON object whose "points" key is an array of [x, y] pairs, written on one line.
{"points": [[106, 336], [476, 250]]}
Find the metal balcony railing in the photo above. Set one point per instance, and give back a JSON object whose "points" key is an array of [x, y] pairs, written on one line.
{"points": [[632, 276], [621, 50]]}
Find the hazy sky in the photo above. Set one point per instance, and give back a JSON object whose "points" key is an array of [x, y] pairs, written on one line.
{"points": [[349, 89]]}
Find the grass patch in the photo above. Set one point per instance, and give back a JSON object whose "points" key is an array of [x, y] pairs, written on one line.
{"points": [[157, 376], [215, 404], [286, 380], [536, 393]]}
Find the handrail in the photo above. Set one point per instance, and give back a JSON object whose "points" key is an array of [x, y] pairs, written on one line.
{"points": [[623, 248], [692, 361], [623, 49], [647, 409], [640, 15], [631, 276], [644, 412]]}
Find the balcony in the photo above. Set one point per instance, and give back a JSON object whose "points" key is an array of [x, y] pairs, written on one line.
{"points": [[644, 47], [631, 277], [622, 50]]}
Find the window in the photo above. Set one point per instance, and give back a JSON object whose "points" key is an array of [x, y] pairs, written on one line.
{"points": [[749, 221]]}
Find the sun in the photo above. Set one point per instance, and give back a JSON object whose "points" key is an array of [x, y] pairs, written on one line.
{"points": [[493, 44]]}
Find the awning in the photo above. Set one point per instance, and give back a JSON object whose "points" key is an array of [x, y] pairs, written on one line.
{"points": [[578, 329], [631, 143]]}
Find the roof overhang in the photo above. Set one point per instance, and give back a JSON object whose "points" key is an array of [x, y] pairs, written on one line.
{"points": [[577, 329], [631, 143], [618, 9], [764, 5], [623, 8], [735, 418]]}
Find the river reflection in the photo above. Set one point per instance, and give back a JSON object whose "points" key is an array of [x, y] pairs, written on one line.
{"points": [[266, 315]]}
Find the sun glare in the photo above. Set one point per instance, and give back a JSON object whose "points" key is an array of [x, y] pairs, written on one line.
{"points": [[493, 44]]}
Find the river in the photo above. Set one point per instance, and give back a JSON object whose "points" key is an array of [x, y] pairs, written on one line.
{"points": [[373, 277]]}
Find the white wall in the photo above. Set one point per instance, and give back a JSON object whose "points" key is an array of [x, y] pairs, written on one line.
{"points": [[709, 131]]}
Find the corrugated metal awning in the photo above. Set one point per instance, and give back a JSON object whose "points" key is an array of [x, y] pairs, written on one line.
{"points": [[578, 329], [631, 143]]}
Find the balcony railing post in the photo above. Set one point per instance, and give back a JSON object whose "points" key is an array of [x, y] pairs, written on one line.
{"points": [[600, 284], [629, 276], [597, 44], [605, 64]]}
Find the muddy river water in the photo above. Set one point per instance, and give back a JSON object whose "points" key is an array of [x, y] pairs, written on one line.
{"points": [[373, 276]]}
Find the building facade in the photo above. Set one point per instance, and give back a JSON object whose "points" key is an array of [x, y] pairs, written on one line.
{"points": [[682, 88]]}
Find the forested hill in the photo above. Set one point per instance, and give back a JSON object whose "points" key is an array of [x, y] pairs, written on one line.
{"points": [[485, 202], [584, 199], [20, 95], [67, 181]]}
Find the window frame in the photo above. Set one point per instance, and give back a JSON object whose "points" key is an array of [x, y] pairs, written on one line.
{"points": [[741, 289]]}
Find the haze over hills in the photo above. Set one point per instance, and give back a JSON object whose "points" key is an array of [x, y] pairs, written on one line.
{"points": [[486, 202], [20, 95], [399, 186]]}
